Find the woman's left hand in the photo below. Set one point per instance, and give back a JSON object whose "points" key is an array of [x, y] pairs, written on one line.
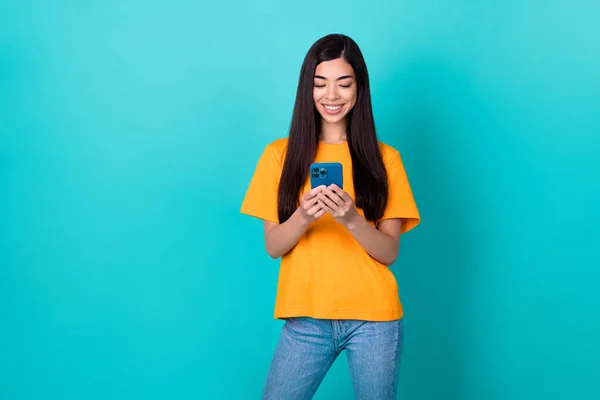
{"points": [[338, 203]]}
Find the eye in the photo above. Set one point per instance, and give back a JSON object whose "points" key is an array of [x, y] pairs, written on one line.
{"points": [[319, 86], [346, 86]]}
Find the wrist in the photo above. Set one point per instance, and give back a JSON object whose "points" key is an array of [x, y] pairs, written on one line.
{"points": [[354, 222], [298, 220]]}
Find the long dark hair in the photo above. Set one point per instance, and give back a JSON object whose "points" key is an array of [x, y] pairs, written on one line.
{"points": [[368, 171]]}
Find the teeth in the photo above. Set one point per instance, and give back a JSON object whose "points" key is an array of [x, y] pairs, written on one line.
{"points": [[330, 108]]}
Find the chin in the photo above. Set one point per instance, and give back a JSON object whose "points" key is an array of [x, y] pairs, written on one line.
{"points": [[333, 120]]}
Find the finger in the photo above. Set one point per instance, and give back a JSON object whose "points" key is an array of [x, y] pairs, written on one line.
{"points": [[309, 202], [316, 190], [307, 196], [339, 191], [312, 193], [332, 205], [333, 196], [319, 213], [314, 209], [326, 208]]}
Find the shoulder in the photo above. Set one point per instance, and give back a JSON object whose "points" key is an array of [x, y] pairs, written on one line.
{"points": [[388, 153], [277, 147], [273, 153]]}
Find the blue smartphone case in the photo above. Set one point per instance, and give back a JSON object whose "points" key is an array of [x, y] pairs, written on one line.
{"points": [[326, 174]]}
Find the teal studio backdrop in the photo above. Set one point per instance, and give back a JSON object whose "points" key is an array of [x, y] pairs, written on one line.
{"points": [[129, 131]]}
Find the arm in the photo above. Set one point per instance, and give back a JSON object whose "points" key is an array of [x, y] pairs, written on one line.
{"points": [[381, 243], [281, 238]]}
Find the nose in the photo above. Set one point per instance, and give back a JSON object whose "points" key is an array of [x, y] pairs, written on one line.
{"points": [[332, 92]]}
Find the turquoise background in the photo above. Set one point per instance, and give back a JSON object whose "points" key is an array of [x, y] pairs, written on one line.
{"points": [[128, 134]]}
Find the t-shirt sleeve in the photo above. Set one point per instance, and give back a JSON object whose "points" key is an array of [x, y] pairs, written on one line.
{"points": [[260, 200], [401, 203]]}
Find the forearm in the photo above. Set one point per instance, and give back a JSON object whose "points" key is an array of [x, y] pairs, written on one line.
{"points": [[281, 238], [380, 245]]}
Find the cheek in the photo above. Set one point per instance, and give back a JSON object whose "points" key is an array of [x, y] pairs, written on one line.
{"points": [[351, 95], [316, 96], [352, 98]]}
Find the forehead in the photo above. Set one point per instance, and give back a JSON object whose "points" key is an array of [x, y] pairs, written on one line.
{"points": [[334, 68]]}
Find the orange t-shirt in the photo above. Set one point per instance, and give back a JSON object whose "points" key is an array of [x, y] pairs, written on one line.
{"points": [[328, 274]]}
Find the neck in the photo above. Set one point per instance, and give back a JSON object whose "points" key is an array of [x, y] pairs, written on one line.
{"points": [[333, 133]]}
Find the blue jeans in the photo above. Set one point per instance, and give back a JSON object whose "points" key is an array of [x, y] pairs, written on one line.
{"points": [[308, 347]]}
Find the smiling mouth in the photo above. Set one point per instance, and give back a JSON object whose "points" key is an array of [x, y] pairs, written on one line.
{"points": [[332, 109]]}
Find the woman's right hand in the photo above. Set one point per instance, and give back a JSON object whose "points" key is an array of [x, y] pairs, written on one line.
{"points": [[311, 208], [281, 238]]}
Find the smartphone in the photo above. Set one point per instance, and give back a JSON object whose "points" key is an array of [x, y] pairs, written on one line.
{"points": [[326, 174]]}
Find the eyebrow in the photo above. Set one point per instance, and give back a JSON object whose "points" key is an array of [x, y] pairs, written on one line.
{"points": [[338, 79]]}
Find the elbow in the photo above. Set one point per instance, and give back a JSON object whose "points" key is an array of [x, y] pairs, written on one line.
{"points": [[391, 259], [389, 262], [393, 256], [273, 253]]}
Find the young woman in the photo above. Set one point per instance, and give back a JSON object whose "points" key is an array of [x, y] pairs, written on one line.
{"points": [[335, 291]]}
